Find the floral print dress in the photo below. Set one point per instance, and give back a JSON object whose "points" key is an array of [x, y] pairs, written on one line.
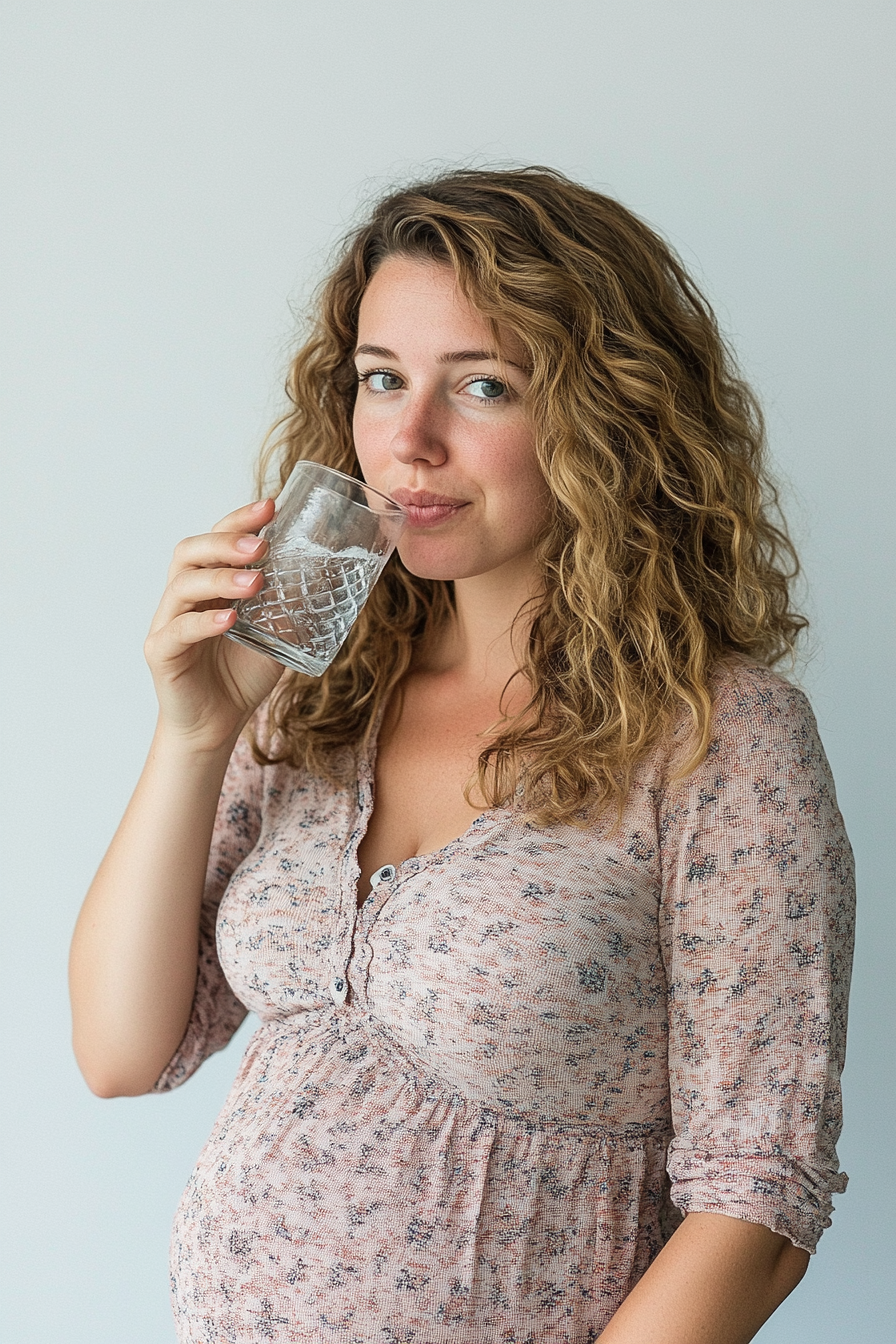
{"points": [[477, 1106]]}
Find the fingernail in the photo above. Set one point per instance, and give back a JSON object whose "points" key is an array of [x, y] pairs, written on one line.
{"points": [[222, 617], [248, 544], [245, 578]]}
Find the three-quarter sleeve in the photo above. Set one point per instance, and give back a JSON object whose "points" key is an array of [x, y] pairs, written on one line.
{"points": [[217, 1012], [756, 927]]}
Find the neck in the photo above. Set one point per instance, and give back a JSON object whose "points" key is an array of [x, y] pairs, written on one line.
{"points": [[482, 645]]}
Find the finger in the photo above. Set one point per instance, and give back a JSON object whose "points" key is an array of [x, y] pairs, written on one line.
{"points": [[191, 588], [170, 641], [213, 549], [249, 518]]}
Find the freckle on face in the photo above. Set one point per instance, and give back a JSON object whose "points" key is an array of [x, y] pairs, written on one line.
{"points": [[433, 435]]}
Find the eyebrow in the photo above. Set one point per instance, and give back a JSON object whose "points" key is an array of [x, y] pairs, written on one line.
{"points": [[450, 356]]}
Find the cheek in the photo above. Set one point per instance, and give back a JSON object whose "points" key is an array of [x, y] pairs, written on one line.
{"points": [[368, 443], [538, 506], [520, 483]]}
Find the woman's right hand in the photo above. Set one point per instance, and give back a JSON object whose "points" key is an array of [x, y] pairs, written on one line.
{"points": [[208, 687]]}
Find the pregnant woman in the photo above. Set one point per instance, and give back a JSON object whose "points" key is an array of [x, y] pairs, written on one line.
{"points": [[540, 892]]}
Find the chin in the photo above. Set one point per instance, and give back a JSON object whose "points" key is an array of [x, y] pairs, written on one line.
{"points": [[444, 573], [447, 568]]}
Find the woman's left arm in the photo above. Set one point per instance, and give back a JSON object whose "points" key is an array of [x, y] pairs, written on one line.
{"points": [[756, 936], [716, 1281]]}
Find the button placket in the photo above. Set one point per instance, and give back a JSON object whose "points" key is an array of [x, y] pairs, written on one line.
{"points": [[368, 914], [341, 952], [352, 920]]}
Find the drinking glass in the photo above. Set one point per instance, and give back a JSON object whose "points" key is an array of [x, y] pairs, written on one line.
{"points": [[329, 540]]}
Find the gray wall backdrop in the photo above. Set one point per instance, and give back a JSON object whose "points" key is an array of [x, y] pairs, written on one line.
{"points": [[178, 173]]}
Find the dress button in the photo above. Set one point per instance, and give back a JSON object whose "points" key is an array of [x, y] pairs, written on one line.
{"points": [[384, 874], [339, 990]]}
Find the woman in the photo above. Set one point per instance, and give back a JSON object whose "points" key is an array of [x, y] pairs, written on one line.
{"points": [[541, 893]]}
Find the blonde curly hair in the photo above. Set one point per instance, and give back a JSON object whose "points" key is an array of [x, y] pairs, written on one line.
{"points": [[666, 551]]}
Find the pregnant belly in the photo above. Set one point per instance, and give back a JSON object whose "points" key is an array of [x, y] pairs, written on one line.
{"points": [[341, 1198]]}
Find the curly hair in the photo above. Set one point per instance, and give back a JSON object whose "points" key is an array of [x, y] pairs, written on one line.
{"points": [[666, 551]]}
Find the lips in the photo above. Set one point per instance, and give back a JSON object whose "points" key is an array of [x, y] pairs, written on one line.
{"points": [[425, 499], [425, 508]]}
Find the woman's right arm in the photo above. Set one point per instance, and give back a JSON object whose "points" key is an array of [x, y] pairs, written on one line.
{"points": [[134, 953]]}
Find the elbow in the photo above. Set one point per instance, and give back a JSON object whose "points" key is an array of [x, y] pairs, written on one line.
{"points": [[107, 1080], [100, 1088], [107, 1088]]}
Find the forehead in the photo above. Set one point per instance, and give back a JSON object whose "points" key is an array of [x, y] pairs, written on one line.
{"points": [[405, 289], [413, 304]]}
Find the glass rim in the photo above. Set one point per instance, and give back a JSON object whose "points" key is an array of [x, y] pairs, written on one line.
{"points": [[394, 506]]}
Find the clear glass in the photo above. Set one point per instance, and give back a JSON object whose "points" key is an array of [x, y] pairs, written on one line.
{"points": [[329, 539]]}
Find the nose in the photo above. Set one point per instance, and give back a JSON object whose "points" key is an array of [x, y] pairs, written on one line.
{"points": [[420, 430]]}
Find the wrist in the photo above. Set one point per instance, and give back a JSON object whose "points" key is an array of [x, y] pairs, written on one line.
{"points": [[202, 749]]}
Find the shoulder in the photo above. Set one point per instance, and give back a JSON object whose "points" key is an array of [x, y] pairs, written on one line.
{"points": [[761, 805], [763, 738], [746, 696], [262, 763], [763, 724], [753, 709]]}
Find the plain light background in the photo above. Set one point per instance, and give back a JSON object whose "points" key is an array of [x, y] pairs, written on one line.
{"points": [[177, 173]]}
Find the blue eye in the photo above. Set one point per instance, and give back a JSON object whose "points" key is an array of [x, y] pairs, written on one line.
{"points": [[378, 380], [492, 389]]}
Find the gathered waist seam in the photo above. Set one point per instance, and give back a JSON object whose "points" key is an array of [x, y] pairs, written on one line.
{"points": [[432, 1089]]}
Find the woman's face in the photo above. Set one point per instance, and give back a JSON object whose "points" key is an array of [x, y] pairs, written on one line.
{"points": [[440, 425]]}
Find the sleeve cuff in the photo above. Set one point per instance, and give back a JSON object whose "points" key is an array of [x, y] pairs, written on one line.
{"points": [[205, 1034], [790, 1196]]}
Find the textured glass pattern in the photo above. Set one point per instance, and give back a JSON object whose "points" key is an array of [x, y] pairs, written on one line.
{"points": [[311, 597]]}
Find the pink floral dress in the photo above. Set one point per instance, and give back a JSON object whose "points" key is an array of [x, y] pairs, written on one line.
{"points": [[476, 1107]]}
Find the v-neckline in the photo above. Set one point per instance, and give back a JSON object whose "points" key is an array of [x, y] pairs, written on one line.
{"points": [[367, 763]]}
